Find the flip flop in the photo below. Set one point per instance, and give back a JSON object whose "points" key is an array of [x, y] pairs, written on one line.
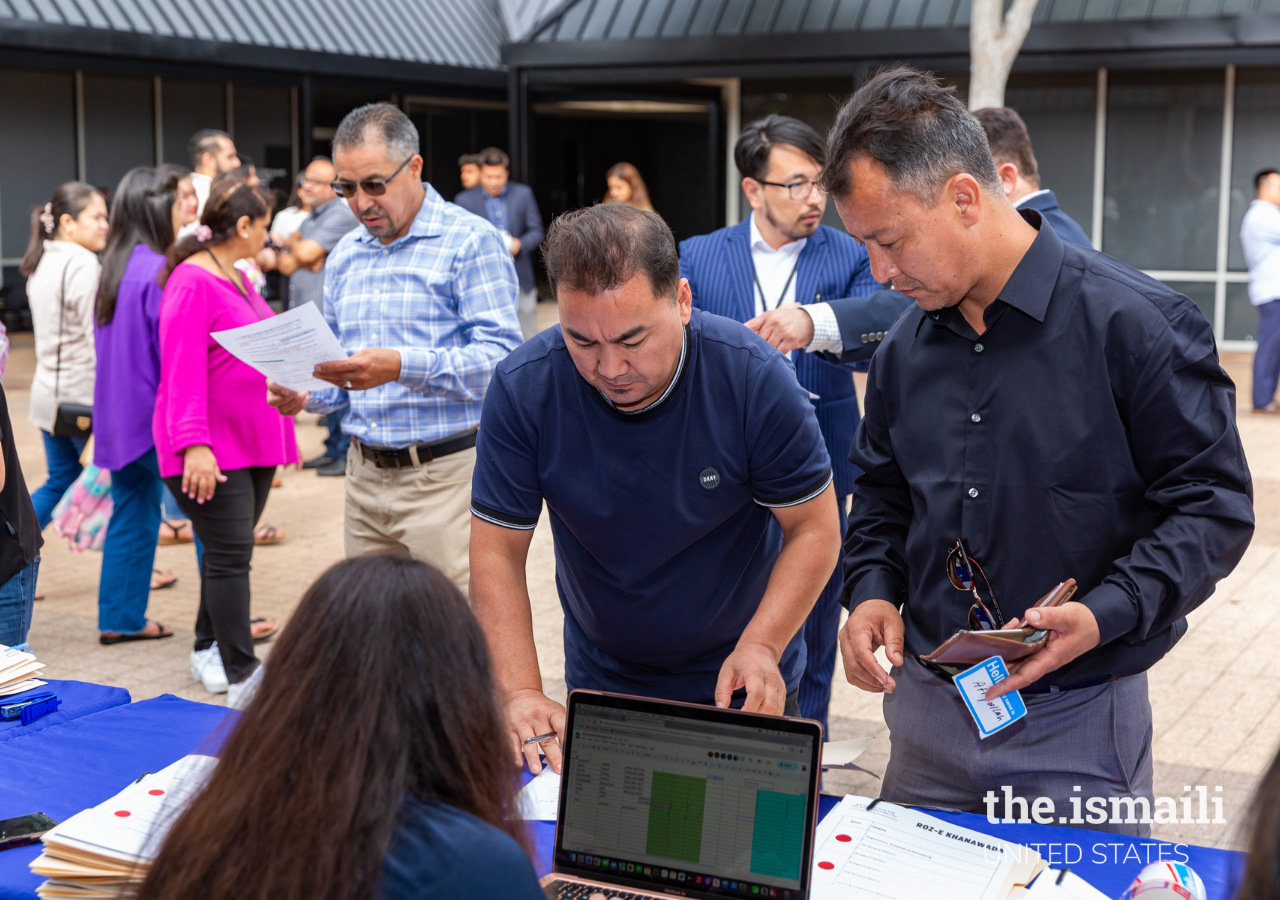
{"points": [[109, 638], [168, 584], [268, 534], [175, 535], [266, 635]]}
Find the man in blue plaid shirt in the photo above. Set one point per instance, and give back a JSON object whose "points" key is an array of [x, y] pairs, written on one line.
{"points": [[424, 297]]}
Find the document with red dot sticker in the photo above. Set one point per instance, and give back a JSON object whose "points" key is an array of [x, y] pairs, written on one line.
{"points": [[130, 826], [891, 852]]}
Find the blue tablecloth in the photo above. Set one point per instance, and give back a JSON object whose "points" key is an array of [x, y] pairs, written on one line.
{"points": [[79, 698], [72, 765], [77, 764], [1107, 861]]}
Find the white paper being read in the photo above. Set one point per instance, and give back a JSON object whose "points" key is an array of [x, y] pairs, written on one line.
{"points": [[286, 347]]}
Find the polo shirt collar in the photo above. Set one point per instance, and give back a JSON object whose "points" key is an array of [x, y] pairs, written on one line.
{"points": [[1031, 284], [429, 222], [666, 395]]}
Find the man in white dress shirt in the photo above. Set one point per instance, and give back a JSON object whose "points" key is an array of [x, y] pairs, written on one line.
{"points": [[212, 153], [1260, 237]]}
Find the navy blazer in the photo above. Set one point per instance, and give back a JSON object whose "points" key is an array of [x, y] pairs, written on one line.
{"points": [[832, 265], [1065, 226], [865, 321], [524, 223]]}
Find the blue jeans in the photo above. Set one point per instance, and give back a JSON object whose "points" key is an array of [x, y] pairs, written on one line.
{"points": [[62, 458], [129, 551], [1266, 359], [335, 445], [16, 597]]}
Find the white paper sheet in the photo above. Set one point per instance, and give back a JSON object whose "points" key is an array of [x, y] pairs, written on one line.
{"points": [[540, 798], [841, 754], [895, 853], [133, 823], [286, 347]]}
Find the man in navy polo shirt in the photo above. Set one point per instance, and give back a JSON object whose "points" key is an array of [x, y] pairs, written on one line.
{"points": [[687, 483]]}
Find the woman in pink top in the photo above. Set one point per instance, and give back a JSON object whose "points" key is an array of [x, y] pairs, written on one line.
{"points": [[217, 441]]}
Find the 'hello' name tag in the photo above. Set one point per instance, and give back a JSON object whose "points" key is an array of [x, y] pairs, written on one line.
{"points": [[991, 715]]}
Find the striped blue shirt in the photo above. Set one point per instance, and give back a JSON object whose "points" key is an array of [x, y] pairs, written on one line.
{"points": [[444, 296]]}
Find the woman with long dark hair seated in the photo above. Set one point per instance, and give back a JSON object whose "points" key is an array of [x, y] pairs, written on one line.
{"points": [[372, 762]]}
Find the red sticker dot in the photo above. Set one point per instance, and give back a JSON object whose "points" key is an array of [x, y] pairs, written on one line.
{"points": [[826, 865], [843, 837], [157, 792], [122, 813]]}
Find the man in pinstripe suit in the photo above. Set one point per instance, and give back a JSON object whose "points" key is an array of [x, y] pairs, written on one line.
{"points": [[782, 264]]}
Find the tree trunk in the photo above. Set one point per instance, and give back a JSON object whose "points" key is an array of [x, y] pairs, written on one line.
{"points": [[994, 42]]}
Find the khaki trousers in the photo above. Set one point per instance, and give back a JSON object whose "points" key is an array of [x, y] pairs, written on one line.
{"points": [[422, 512]]}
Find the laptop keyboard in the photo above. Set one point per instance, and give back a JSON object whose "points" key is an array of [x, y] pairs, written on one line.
{"points": [[572, 890]]}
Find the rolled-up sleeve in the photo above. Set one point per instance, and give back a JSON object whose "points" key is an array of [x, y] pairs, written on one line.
{"points": [[1180, 412]]}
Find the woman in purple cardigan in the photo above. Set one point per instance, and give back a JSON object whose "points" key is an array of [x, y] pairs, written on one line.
{"points": [[144, 215]]}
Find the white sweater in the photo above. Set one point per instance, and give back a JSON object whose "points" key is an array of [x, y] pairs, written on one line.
{"points": [[45, 294]]}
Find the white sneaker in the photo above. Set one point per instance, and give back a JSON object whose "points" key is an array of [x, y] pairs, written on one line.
{"points": [[206, 668], [240, 695]]}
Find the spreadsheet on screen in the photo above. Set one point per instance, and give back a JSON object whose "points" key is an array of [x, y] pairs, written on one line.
{"points": [[723, 800]]}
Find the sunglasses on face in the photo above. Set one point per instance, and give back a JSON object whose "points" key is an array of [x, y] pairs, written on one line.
{"points": [[374, 187], [962, 569]]}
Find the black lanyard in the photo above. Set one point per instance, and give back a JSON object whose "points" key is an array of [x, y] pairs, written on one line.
{"points": [[764, 301], [234, 284]]}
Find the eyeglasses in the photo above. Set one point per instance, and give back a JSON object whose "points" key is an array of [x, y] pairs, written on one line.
{"points": [[960, 569], [797, 190], [374, 187]]}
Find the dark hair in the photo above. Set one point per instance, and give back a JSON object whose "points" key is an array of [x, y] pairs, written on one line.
{"points": [[1261, 878], [69, 199], [229, 200], [468, 159], [915, 127], [389, 122], [294, 199], [380, 688], [204, 141], [492, 156], [600, 247], [1008, 139], [141, 213], [757, 140], [631, 175], [1261, 177]]}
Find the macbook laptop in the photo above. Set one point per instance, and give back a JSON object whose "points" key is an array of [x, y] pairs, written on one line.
{"points": [[661, 799]]}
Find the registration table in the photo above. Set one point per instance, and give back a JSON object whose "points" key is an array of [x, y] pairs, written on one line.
{"points": [[79, 762]]}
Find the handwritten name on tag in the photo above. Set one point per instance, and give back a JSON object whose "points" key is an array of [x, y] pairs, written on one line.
{"points": [[991, 715]]}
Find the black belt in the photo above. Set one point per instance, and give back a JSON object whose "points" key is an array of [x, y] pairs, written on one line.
{"points": [[403, 458]]}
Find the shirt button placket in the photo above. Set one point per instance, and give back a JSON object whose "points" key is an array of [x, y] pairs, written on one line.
{"points": [[977, 459]]}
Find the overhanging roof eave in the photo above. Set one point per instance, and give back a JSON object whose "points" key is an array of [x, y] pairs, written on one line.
{"points": [[905, 43], [20, 34]]}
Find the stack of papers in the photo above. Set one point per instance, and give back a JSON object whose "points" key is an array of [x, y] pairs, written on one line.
{"points": [[841, 754], [1061, 885], [105, 852], [16, 670], [891, 852]]}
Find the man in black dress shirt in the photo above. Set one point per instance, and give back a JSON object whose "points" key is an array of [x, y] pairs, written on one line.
{"points": [[1063, 414]]}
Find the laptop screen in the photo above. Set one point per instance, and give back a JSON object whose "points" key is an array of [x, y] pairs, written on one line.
{"points": [[688, 800]]}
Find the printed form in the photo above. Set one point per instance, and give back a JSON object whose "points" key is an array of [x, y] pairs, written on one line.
{"points": [[286, 347], [896, 853]]}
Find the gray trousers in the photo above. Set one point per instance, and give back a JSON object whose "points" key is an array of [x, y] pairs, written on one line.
{"points": [[1097, 739]]}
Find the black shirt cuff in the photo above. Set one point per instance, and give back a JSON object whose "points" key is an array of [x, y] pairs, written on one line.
{"points": [[506, 520]]}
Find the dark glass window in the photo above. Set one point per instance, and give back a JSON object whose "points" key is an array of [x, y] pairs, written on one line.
{"points": [[1242, 316], [1255, 145], [119, 127], [1061, 112], [264, 131], [190, 106], [1164, 149], [37, 144]]}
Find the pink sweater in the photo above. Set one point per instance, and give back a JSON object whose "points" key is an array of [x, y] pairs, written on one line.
{"points": [[206, 395]]}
